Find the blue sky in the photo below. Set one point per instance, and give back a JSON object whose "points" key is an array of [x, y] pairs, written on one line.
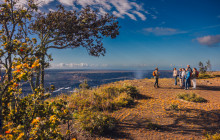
{"points": [[163, 33]]}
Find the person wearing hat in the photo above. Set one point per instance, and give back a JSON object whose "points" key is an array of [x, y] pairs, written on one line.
{"points": [[156, 77]]}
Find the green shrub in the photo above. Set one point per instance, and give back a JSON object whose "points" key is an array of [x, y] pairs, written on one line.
{"points": [[192, 98], [94, 122], [89, 105], [131, 90], [204, 76], [104, 98], [112, 91], [153, 126], [174, 107], [122, 100], [84, 85]]}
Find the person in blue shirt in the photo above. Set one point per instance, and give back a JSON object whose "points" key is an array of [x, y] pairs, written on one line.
{"points": [[188, 73]]}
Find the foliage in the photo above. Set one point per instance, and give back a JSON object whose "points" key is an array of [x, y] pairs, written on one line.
{"points": [[174, 107], [71, 29], [208, 65], [204, 76], [35, 118], [103, 98], [191, 97], [131, 90], [202, 68], [88, 106], [213, 137], [24, 59], [153, 126], [94, 122], [84, 85]]}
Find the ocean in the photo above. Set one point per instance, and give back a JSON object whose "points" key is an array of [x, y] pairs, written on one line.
{"points": [[65, 81]]}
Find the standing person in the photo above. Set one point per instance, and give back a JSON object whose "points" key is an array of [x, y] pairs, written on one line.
{"points": [[183, 77], [175, 76], [156, 77], [180, 76], [188, 73], [190, 70], [195, 74]]}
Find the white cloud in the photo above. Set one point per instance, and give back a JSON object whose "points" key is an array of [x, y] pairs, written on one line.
{"points": [[120, 8], [67, 2], [131, 16], [117, 14], [77, 65], [160, 31], [23, 3], [209, 40], [142, 16]]}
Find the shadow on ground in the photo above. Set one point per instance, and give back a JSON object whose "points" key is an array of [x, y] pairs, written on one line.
{"points": [[213, 88], [195, 122], [117, 134], [142, 97], [198, 122]]}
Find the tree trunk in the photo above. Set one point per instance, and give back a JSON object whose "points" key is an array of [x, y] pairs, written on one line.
{"points": [[37, 83], [9, 79], [42, 72]]}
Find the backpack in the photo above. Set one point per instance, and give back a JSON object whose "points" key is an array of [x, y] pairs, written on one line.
{"points": [[197, 74], [154, 74]]}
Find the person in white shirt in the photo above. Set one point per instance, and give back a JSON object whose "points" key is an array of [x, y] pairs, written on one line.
{"points": [[175, 76], [183, 77]]}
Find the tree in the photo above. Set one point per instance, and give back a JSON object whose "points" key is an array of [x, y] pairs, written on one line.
{"points": [[23, 117], [209, 66], [84, 85], [202, 68], [23, 58], [71, 29], [13, 20]]}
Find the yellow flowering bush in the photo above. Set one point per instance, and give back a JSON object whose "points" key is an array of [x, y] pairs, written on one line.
{"points": [[36, 119]]}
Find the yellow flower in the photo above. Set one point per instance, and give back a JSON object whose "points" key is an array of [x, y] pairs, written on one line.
{"points": [[24, 44], [53, 118], [27, 39], [18, 66], [35, 121], [34, 40], [35, 64], [5, 44], [20, 136]]}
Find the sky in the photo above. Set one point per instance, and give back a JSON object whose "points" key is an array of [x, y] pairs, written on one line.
{"points": [[153, 33]]}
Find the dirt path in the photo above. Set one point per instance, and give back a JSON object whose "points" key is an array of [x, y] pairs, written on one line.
{"points": [[151, 117]]}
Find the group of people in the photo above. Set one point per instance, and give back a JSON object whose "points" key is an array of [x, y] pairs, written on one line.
{"points": [[185, 77]]}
